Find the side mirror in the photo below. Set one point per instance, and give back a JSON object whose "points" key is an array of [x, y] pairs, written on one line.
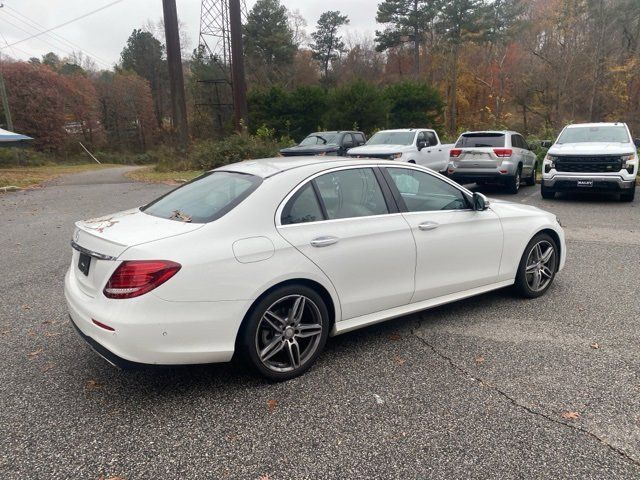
{"points": [[422, 144], [480, 202], [546, 144], [636, 141]]}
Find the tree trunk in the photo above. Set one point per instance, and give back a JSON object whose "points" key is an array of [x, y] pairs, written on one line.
{"points": [[453, 96], [416, 45]]}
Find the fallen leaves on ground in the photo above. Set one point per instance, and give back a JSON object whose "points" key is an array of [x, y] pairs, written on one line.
{"points": [[26, 307], [92, 385], [264, 477], [595, 345], [394, 336], [399, 360], [571, 415], [35, 353], [480, 359], [47, 367], [272, 404]]}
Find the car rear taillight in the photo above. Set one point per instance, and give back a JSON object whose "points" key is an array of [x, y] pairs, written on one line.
{"points": [[455, 152], [502, 152], [137, 277]]}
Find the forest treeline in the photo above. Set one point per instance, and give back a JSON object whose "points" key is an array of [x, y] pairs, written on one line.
{"points": [[451, 64]]}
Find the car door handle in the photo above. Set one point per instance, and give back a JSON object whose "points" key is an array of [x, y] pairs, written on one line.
{"points": [[428, 226], [324, 241]]}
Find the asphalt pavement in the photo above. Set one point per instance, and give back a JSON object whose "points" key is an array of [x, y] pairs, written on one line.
{"points": [[491, 387]]}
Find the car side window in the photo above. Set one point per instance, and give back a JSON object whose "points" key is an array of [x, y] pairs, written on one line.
{"points": [[431, 139], [347, 141], [303, 207], [422, 138], [523, 143], [360, 140], [351, 193], [515, 141], [423, 192]]}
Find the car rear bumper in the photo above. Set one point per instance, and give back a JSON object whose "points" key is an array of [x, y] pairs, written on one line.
{"points": [[601, 183], [152, 331], [492, 175]]}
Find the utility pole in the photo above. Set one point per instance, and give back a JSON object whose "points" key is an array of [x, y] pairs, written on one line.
{"points": [[176, 77], [237, 65]]}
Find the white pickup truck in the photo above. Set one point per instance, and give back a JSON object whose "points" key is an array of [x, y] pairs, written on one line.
{"points": [[413, 145], [591, 157]]}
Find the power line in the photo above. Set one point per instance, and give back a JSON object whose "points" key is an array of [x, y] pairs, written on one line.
{"points": [[65, 23], [55, 36], [56, 47]]}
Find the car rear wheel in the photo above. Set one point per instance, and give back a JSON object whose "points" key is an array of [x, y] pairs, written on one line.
{"points": [[531, 179], [285, 332], [513, 184], [628, 197], [537, 267]]}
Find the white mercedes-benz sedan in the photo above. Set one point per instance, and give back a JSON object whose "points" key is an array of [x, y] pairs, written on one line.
{"points": [[270, 257]]}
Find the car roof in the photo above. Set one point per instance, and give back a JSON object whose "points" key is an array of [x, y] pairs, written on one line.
{"points": [[597, 124], [499, 132], [404, 130], [268, 167]]}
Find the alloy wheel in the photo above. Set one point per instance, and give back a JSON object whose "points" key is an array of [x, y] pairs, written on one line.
{"points": [[540, 266], [289, 333]]}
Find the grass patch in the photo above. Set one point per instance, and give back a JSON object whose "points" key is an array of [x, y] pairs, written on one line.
{"points": [[150, 174], [32, 176]]}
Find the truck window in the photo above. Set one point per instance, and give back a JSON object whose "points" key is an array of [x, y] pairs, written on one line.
{"points": [[482, 139]]}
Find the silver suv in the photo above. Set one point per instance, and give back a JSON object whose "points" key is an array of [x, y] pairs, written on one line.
{"points": [[591, 157], [493, 157]]}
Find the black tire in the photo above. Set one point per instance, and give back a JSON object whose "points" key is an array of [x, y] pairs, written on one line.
{"points": [[522, 285], [547, 193], [251, 337], [513, 183], [531, 179], [628, 197]]}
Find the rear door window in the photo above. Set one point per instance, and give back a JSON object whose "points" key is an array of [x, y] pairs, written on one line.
{"points": [[351, 193], [479, 140], [204, 199], [303, 207]]}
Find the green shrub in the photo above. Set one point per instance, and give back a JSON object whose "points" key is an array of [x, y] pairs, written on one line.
{"points": [[26, 157], [413, 104], [235, 148]]}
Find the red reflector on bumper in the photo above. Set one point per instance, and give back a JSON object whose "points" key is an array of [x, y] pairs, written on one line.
{"points": [[102, 325]]}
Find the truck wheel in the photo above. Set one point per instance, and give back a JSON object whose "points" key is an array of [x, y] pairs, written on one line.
{"points": [[531, 179], [547, 193], [628, 197], [513, 184]]}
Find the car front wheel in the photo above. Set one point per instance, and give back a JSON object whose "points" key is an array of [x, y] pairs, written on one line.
{"points": [[538, 266], [286, 332]]}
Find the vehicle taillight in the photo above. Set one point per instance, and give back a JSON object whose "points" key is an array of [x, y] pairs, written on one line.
{"points": [[502, 152], [455, 152], [137, 277]]}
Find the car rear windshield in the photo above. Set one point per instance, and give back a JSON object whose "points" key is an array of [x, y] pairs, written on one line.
{"points": [[470, 140], [610, 133], [204, 199], [392, 138], [320, 139]]}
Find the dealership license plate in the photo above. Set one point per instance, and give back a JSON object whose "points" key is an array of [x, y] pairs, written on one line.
{"points": [[84, 262], [585, 183]]}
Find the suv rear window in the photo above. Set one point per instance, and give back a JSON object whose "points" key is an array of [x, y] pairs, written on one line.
{"points": [[471, 140], [204, 199]]}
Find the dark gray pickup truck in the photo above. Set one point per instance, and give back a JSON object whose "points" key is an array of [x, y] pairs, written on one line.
{"points": [[326, 143]]}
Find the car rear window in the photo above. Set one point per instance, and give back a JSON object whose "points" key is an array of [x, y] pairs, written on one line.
{"points": [[204, 199], [471, 140]]}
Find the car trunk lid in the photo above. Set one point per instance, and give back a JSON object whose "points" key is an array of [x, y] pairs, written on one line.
{"points": [[477, 158], [97, 243]]}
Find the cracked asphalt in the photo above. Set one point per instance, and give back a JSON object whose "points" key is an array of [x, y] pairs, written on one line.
{"points": [[475, 389]]}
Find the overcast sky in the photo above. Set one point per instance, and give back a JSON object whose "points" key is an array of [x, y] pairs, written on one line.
{"points": [[103, 34]]}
